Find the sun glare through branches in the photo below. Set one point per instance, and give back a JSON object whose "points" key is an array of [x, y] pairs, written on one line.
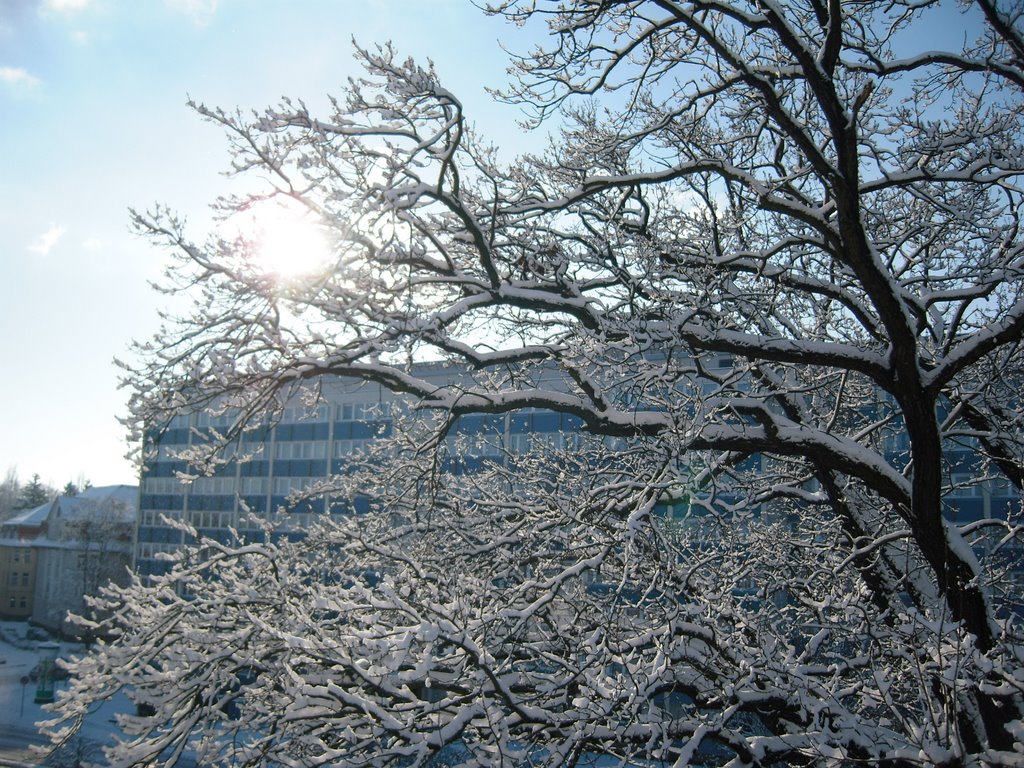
{"points": [[288, 242]]}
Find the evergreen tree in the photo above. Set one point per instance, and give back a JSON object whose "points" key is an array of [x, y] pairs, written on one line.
{"points": [[35, 493]]}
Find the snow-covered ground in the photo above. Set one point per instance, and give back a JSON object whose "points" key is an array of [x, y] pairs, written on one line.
{"points": [[18, 711]]}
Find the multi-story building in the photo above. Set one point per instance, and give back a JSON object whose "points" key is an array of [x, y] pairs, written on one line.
{"points": [[305, 445]]}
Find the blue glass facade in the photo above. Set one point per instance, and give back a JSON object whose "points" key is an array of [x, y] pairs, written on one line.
{"points": [[305, 446]]}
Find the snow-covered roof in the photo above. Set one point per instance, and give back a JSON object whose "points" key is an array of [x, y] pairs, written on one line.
{"points": [[119, 500], [30, 517]]}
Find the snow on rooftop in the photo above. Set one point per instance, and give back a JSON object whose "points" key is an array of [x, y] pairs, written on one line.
{"points": [[120, 500], [34, 517]]}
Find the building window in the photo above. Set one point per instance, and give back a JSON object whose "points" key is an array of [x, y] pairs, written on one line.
{"points": [[162, 485], [301, 450], [17, 555], [12, 602], [346, 448], [225, 419], [519, 443], [364, 412], [294, 414], [211, 519], [283, 486], [253, 486], [214, 486], [23, 604], [28, 555], [24, 579]]}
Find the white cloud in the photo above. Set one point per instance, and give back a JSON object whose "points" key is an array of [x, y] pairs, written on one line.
{"points": [[18, 77], [66, 6], [46, 241], [200, 11]]}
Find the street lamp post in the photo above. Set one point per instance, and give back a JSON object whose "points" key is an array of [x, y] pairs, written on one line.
{"points": [[25, 680]]}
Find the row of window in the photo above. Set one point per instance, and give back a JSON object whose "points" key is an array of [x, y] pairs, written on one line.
{"points": [[172, 451], [253, 486], [345, 448], [18, 602], [536, 441], [966, 485], [226, 486], [211, 486], [353, 411], [366, 411], [286, 485], [13, 579], [284, 450], [221, 421], [149, 550], [203, 519], [162, 485], [305, 450], [153, 517], [290, 415], [212, 519], [300, 413]]}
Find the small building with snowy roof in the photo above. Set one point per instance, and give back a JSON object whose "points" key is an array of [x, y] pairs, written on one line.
{"points": [[65, 550]]}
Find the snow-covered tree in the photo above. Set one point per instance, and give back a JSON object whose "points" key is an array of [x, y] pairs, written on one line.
{"points": [[772, 263], [10, 490], [102, 534]]}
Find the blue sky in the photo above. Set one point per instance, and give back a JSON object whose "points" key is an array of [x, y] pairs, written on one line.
{"points": [[92, 98]]}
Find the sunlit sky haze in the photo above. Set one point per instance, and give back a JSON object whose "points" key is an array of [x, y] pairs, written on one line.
{"points": [[94, 121]]}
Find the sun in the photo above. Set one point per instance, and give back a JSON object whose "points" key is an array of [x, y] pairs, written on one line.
{"points": [[288, 241]]}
